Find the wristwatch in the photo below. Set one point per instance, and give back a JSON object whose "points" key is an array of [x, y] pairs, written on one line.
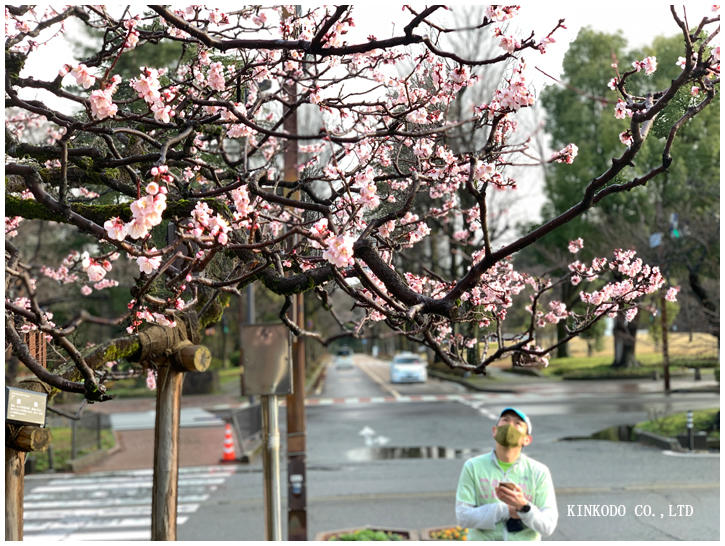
{"points": [[525, 509]]}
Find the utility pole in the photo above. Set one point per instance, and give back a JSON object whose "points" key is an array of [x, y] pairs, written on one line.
{"points": [[296, 429]]}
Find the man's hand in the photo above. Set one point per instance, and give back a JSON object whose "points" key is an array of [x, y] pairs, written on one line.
{"points": [[512, 496]]}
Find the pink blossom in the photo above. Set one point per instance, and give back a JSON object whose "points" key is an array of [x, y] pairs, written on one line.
{"points": [[339, 250], [115, 228], [630, 313], [148, 264], [137, 228], [576, 245], [162, 112], [613, 84], [649, 64], [694, 91], [95, 272], [216, 76], [242, 202], [509, 43], [625, 137], [147, 85], [86, 290], [567, 154], [387, 228], [681, 61], [621, 111], [131, 40], [82, 76], [151, 380], [671, 294], [102, 106]]}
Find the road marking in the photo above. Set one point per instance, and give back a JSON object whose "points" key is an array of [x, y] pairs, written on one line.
{"points": [[111, 535], [380, 381], [696, 454], [104, 506]]}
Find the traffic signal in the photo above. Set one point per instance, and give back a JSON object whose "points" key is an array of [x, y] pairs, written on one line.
{"points": [[674, 228]]}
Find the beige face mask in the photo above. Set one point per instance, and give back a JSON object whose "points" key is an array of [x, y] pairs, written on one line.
{"points": [[509, 436]]}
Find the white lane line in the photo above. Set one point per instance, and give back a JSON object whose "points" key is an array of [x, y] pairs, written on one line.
{"points": [[380, 381]]}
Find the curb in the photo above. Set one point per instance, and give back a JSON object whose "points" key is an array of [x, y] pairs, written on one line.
{"points": [[89, 459], [662, 442], [461, 381]]}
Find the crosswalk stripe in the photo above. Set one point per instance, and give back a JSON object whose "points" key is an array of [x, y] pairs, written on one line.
{"points": [[129, 485], [110, 535], [109, 511], [94, 524], [108, 506], [183, 499]]}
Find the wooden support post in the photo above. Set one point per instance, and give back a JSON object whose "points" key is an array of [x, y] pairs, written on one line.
{"points": [[31, 438], [164, 498], [164, 501], [14, 484]]}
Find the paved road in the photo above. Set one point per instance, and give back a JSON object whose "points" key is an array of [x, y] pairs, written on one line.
{"points": [[353, 482]]}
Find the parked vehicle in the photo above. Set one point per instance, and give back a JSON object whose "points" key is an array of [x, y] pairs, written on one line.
{"points": [[343, 359], [408, 368]]}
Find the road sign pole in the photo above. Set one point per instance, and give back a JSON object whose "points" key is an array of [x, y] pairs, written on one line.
{"points": [[270, 463]]}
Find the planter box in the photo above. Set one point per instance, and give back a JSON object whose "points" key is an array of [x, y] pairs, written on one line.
{"points": [[407, 534], [427, 533]]}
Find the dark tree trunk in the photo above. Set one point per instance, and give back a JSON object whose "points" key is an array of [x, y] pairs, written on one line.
{"points": [[711, 312], [568, 296], [562, 351], [625, 341]]}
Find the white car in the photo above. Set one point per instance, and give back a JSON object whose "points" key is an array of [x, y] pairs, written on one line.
{"points": [[343, 359], [408, 368]]}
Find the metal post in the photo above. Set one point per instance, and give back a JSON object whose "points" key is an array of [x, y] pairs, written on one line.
{"points": [[98, 431], [73, 438], [166, 454], [270, 462], [250, 304], [665, 347], [690, 431]]}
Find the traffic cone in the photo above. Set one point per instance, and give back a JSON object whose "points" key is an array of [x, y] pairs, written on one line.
{"points": [[228, 455]]}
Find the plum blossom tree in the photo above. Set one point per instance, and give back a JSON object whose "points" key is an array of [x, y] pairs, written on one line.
{"points": [[180, 172]]}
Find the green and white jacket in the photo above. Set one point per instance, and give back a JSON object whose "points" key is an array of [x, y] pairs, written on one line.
{"points": [[478, 508]]}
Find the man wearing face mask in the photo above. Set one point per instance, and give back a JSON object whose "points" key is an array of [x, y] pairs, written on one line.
{"points": [[505, 495]]}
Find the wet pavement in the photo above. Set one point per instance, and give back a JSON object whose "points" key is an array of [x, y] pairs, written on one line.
{"points": [[202, 430]]}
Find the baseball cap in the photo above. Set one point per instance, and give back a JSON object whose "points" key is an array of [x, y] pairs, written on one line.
{"points": [[521, 414]]}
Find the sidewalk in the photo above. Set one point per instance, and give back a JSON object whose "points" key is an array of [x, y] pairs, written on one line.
{"points": [[512, 382]]}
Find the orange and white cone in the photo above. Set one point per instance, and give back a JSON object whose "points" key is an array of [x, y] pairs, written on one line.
{"points": [[228, 456]]}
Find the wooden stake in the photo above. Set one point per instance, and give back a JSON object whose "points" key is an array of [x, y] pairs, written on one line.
{"points": [[14, 484], [164, 501], [31, 438]]}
